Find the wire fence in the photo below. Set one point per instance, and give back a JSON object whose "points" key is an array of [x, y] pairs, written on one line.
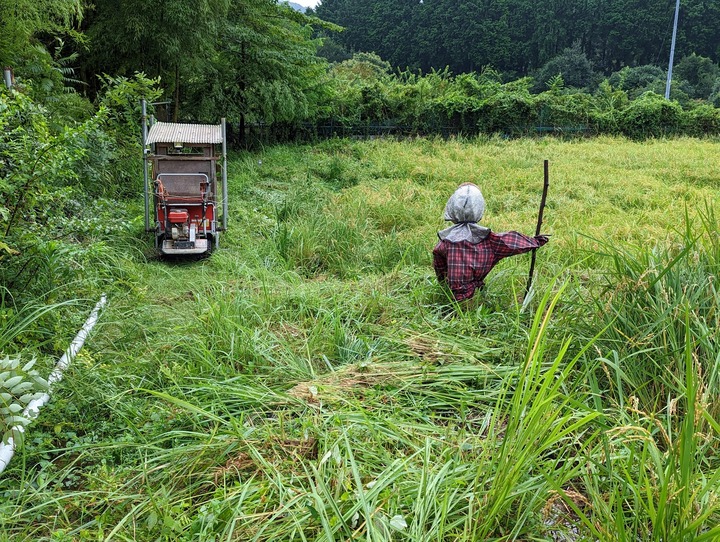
{"points": [[262, 134]]}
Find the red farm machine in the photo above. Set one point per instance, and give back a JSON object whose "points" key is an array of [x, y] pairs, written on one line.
{"points": [[185, 171]]}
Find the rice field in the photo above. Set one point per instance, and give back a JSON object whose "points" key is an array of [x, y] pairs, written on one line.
{"points": [[311, 380]]}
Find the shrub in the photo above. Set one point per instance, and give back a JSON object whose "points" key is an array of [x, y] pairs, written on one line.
{"points": [[702, 120], [120, 99], [651, 116], [607, 107], [511, 110], [564, 110]]}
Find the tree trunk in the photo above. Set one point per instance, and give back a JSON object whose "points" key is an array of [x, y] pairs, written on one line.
{"points": [[243, 88], [177, 92]]}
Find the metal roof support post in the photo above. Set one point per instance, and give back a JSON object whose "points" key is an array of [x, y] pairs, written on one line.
{"points": [[224, 175], [145, 165], [8, 76]]}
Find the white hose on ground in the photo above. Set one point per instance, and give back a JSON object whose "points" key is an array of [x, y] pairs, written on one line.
{"points": [[7, 450]]}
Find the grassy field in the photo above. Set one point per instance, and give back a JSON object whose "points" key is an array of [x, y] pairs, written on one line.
{"points": [[312, 381]]}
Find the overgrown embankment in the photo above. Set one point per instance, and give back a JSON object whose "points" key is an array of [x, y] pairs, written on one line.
{"points": [[311, 380]]}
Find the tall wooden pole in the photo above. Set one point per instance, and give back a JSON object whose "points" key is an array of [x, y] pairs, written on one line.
{"points": [[546, 184]]}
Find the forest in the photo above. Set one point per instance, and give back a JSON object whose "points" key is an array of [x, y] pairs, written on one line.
{"points": [[354, 63], [518, 37]]}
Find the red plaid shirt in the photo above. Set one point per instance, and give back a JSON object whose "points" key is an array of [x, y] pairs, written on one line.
{"points": [[463, 266]]}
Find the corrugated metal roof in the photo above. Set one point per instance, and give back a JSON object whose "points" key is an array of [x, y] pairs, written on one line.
{"points": [[170, 132]]}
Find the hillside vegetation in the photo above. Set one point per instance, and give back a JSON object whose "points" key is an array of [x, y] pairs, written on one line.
{"points": [[312, 381], [433, 67], [520, 36]]}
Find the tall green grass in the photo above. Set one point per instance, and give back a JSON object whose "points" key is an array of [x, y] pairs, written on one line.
{"points": [[653, 474], [312, 381], [658, 297]]}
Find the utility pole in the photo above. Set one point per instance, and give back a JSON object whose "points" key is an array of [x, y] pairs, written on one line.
{"points": [[672, 51]]}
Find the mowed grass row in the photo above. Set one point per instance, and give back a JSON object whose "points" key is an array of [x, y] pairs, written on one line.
{"points": [[312, 381]]}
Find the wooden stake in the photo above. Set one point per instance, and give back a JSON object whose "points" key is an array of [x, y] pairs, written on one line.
{"points": [[546, 184]]}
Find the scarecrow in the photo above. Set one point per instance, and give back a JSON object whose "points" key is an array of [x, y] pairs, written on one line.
{"points": [[467, 251]]}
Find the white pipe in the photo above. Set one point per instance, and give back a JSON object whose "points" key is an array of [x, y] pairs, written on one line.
{"points": [[7, 450]]}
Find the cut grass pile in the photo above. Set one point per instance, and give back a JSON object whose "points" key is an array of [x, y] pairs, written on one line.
{"points": [[312, 381]]}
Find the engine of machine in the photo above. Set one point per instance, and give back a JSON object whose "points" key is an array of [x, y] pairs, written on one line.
{"points": [[180, 224]]}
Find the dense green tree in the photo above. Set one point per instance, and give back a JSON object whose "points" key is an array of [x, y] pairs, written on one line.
{"points": [[21, 21], [520, 36], [166, 38], [574, 68], [253, 59], [264, 67], [699, 72], [698, 28], [637, 79], [37, 40], [332, 51], [715, 94]]}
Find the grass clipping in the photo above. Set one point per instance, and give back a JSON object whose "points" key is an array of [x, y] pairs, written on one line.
{"points": [[348, 381]]}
